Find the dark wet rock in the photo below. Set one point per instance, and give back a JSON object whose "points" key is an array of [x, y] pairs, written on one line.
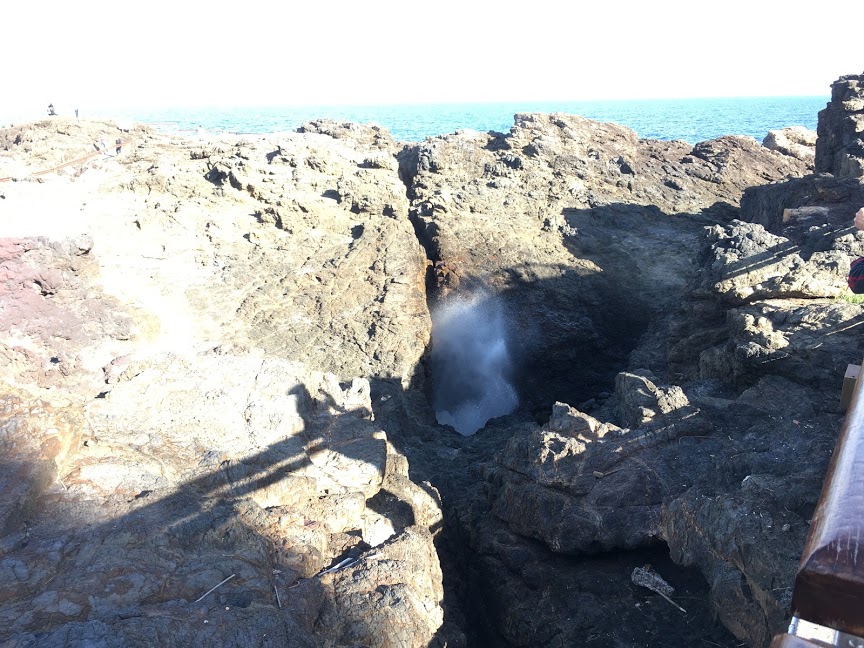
{"points": [[729, 487]]}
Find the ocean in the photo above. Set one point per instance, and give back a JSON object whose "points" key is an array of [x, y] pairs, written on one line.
{"points": [[692, 120]]}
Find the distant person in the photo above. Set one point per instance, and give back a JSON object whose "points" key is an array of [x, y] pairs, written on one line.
{"points": [[51, 112], [76, 113], [119, 144]]}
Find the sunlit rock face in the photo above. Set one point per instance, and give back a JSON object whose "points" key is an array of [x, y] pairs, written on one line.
{"points": [[471, 364]]}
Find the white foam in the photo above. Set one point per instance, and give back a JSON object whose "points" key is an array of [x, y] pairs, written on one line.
{"points": [[471, 363]]}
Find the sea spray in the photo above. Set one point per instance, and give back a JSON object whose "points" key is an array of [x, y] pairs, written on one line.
{"points": [[470, 363]]}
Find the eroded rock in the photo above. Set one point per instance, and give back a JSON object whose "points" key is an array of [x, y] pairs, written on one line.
{"points": [[240, 308], [840, 147], [169, 422], [795, 141], [183, 478]]}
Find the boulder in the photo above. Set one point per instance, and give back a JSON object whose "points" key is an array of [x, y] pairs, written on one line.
{"points": [[743, 263], [795, 141], [640, 400]]}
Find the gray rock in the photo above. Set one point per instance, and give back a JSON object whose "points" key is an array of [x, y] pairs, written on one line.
{"points": [[840, 146], [745, 263], [226, 381], [640, 400], [191, 473], [168, 420]]}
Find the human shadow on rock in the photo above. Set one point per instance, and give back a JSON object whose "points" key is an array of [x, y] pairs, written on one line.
{"points": [[219, 561]]}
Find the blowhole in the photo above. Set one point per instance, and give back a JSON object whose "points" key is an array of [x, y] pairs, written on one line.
{"points": [[470, 362]]}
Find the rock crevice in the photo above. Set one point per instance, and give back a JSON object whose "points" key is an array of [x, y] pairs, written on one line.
{"points": [[217, 376]]}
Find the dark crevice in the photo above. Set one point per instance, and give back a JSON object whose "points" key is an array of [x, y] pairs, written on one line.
{"points": [[569, 336]]}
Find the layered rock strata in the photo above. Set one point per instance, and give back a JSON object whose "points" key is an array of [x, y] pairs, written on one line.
{"points": [[840, 148]]}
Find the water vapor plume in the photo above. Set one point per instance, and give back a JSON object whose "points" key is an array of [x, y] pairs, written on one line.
{"points": [[470, 363]]}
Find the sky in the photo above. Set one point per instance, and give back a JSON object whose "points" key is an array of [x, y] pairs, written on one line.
{"points": [[100, 54]]}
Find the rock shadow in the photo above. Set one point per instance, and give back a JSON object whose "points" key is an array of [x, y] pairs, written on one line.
{"points": [[232, 557], [818, 238]]}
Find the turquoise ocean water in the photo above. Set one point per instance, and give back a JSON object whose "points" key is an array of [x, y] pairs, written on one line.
{"points": [[692, 120]]}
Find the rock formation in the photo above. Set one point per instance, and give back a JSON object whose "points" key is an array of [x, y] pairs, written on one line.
{"points": [[168, 417], [722, 319], [551, 213], [797, 141], [216, 422], [840, 148]]}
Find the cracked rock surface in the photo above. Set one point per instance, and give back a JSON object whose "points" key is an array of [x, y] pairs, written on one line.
{"points": [[189, 332], [216, 427]]}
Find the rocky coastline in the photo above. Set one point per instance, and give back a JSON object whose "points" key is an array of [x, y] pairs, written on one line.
{"points": [[219, 397]]}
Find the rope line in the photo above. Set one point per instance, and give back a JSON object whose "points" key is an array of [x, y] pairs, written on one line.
{"points": [[85, 158]]}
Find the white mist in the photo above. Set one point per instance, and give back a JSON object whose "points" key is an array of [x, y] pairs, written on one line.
{"points": [[470, 363]]}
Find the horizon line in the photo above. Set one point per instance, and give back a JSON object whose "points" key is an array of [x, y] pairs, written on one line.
{"points": [[400, 104], [483, 102]]}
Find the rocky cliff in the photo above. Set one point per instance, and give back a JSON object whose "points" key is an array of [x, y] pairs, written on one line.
{"points": [[220, 380], [840, 148]]}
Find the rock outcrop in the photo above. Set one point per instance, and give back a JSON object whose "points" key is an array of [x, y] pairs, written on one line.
{"points": [[182, 400], [726, 322], [797, 141], [126, 512], [216, 426], [530, 215], [840, 148]]}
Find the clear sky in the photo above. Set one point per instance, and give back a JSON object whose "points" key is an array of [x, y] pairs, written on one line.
{"points": [[101, 54]]}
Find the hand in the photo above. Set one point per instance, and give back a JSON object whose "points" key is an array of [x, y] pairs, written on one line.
{"points": [[859, 219]]}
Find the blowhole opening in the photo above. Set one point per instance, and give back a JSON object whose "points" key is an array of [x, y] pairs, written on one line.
{"points": [[493, 354], [471, 362]]}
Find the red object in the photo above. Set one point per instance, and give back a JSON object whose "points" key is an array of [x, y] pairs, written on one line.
{"points": [[856, 276]]}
